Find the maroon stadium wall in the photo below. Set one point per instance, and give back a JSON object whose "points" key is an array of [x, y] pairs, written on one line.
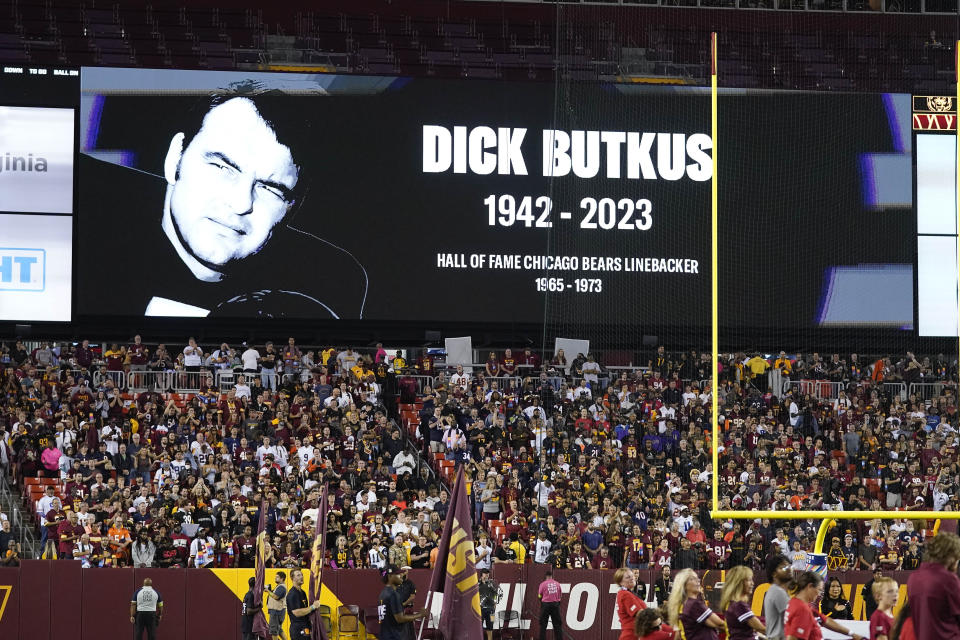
{"points": [[50, 600]]}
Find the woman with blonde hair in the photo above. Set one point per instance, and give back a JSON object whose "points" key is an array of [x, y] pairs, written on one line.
{"points": [[687, 610], [738, 615]]}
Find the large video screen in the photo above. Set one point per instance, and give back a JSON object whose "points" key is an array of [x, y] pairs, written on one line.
{"points": [[37, 152], [227, 194]]}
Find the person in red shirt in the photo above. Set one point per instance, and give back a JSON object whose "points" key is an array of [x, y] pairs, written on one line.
{"points": [[649, 626], [718, 551], [629, 604], [638, 549], [933, 590], [603, 559], [662, 556], [801, 621], [885, 592], [903, 626], [69, 533]]}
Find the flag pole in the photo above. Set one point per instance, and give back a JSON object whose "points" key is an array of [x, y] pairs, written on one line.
{"points": [[455, 573], [260, 628], [427, 605], [319, 552]]}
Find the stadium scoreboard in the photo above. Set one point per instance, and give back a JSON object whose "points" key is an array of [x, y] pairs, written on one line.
{"points": [[520, 209]]}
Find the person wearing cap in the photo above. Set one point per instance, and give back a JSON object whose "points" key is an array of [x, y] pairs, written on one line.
{"points": [[394, 623], [407, 589]]}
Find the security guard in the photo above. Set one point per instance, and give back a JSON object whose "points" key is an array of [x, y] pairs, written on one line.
{"points": [[146, 609]]}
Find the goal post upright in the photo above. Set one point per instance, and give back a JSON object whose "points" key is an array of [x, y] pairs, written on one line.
{"points": [[714, 292]]}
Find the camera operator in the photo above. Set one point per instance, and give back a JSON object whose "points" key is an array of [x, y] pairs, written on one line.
{"points": [[489, 597]]}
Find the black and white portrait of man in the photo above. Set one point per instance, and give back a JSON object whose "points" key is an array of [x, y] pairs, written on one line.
{"points": [[213, 236]]}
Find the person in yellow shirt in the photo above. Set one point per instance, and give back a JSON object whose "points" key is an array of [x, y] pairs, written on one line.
{"points": [[517, 547], [780, 375], [357, 371], [326, 354], [399, 364], [757, 367]]}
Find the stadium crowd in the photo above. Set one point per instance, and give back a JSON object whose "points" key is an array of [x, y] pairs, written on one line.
{"points": [[569, 462]]}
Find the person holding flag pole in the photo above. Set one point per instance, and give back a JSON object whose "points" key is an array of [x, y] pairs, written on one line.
{"points": [[319, 550], [260, 627], [455, 573]]}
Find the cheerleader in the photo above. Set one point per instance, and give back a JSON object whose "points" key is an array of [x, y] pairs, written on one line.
{"points": [[738, 616], [688, 611]]}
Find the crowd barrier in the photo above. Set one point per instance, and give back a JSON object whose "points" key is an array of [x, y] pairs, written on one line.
{"points": [[828, 390], [927, 391], [181, 381], [49, 600]]}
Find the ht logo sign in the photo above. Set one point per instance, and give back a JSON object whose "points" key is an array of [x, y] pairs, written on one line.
{"points": [[22, 269]]}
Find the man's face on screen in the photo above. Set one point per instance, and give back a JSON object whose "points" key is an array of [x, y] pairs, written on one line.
{"points": [[232, 185]]}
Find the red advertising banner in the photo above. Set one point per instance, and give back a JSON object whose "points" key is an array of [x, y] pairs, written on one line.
{"points": [[43, 599]]}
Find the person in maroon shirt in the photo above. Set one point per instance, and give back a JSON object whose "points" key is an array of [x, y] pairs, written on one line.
{"points": [[52, 520], [68, 533], [603, 559], [933, 590], [139, 353], [578, 557], [885, 592], [718, 551], [509, 364], [246, 549], [688, 611]]}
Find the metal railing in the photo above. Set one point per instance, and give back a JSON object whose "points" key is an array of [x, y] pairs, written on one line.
{"points": [[10, 504], [829, 390], [930, 7], [820, 389], [927, 391], [896, 388]]}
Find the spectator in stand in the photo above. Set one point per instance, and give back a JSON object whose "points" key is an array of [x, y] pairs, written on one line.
{"points": [[268, 367]]}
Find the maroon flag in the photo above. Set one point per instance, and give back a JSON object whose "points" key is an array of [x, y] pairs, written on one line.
{"points": [[318, 630], [455, 574], [260, 627]]}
